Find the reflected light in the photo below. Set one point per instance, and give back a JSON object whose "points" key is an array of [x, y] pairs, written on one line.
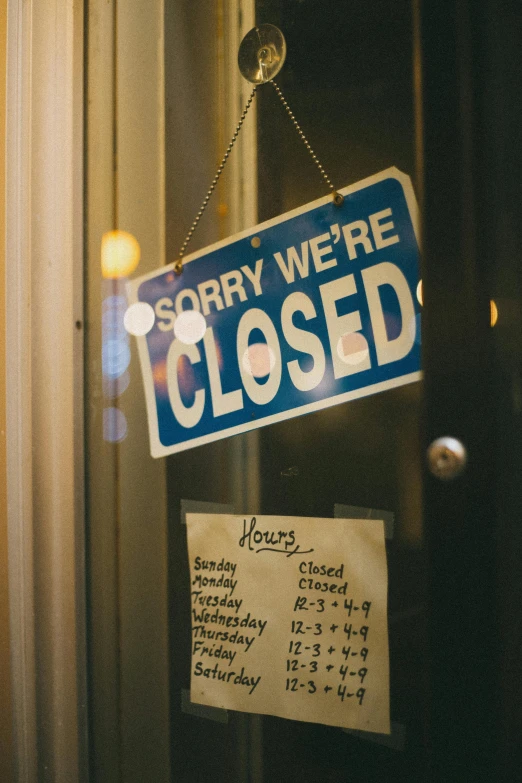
{"points": [[159, 374], [139, 319], [414, 328], [114, 302], [190, 326], [120, 254], [112, 324], [114, 425], [494, 312], [115, 358], [186, 378], [113, 387], [352, 348], [258, 360], [492, 304]]}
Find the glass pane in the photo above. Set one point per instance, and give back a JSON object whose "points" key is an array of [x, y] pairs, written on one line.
{"points": [[349, 81], [126, 500], [157, 129], [164, 96]]}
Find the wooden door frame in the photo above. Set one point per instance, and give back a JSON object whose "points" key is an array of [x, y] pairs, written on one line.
{"points": [[44, 373]]}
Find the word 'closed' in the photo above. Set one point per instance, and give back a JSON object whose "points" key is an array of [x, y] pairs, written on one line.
{"points": [[319, 310]]}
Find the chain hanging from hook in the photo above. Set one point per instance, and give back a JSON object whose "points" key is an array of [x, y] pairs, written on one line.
{"points": [[338, 198], [261, 56], [178, 265]]}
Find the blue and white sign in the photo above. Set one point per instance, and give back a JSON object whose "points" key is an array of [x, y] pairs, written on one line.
{"points": [[311, 309]]}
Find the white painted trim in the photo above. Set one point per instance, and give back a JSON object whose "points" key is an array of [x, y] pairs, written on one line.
{"points": [[44, 185], [18, 397]]}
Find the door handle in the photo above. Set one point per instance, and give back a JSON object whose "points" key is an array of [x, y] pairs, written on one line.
{"points": [[447, 458]]}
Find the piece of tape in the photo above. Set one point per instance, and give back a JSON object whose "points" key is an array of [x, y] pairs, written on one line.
{"points": [[202, 710], [395, 740], [203, 507], [359, 512]]}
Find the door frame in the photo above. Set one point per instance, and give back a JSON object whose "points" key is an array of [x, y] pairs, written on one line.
{"points": [[44, 377]]}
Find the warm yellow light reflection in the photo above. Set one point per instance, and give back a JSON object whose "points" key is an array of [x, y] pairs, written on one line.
{"points": [[494, 312], [120, 254], [492, 304]]}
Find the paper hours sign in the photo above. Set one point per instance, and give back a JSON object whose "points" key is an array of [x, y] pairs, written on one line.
{"points": [[311, 309], [289, 618]]}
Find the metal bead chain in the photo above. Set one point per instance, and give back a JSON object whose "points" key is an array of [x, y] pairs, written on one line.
{"points": [[305, 140], [178, 265]]}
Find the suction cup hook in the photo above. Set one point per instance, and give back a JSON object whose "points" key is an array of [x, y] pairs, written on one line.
{"points": [[261, 56], [262, 53]]}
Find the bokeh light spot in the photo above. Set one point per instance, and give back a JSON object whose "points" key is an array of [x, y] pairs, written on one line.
{"points": [[115, 358], [114, 387], [114, 302], [139, 319], [190, 326], [114, 425], [352, 348], [494, 312], [414, 328], [258, 360], [419, 293], [120, 254]]}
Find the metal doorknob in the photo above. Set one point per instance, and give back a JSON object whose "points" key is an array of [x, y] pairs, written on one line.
{"points": [[447, 458]]}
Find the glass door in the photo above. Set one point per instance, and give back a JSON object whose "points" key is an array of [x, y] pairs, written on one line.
{"points": [[349, 80], [428, 88]]}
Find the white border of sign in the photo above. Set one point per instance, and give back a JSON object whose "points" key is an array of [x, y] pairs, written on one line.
{"points": [[157, 448]]}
